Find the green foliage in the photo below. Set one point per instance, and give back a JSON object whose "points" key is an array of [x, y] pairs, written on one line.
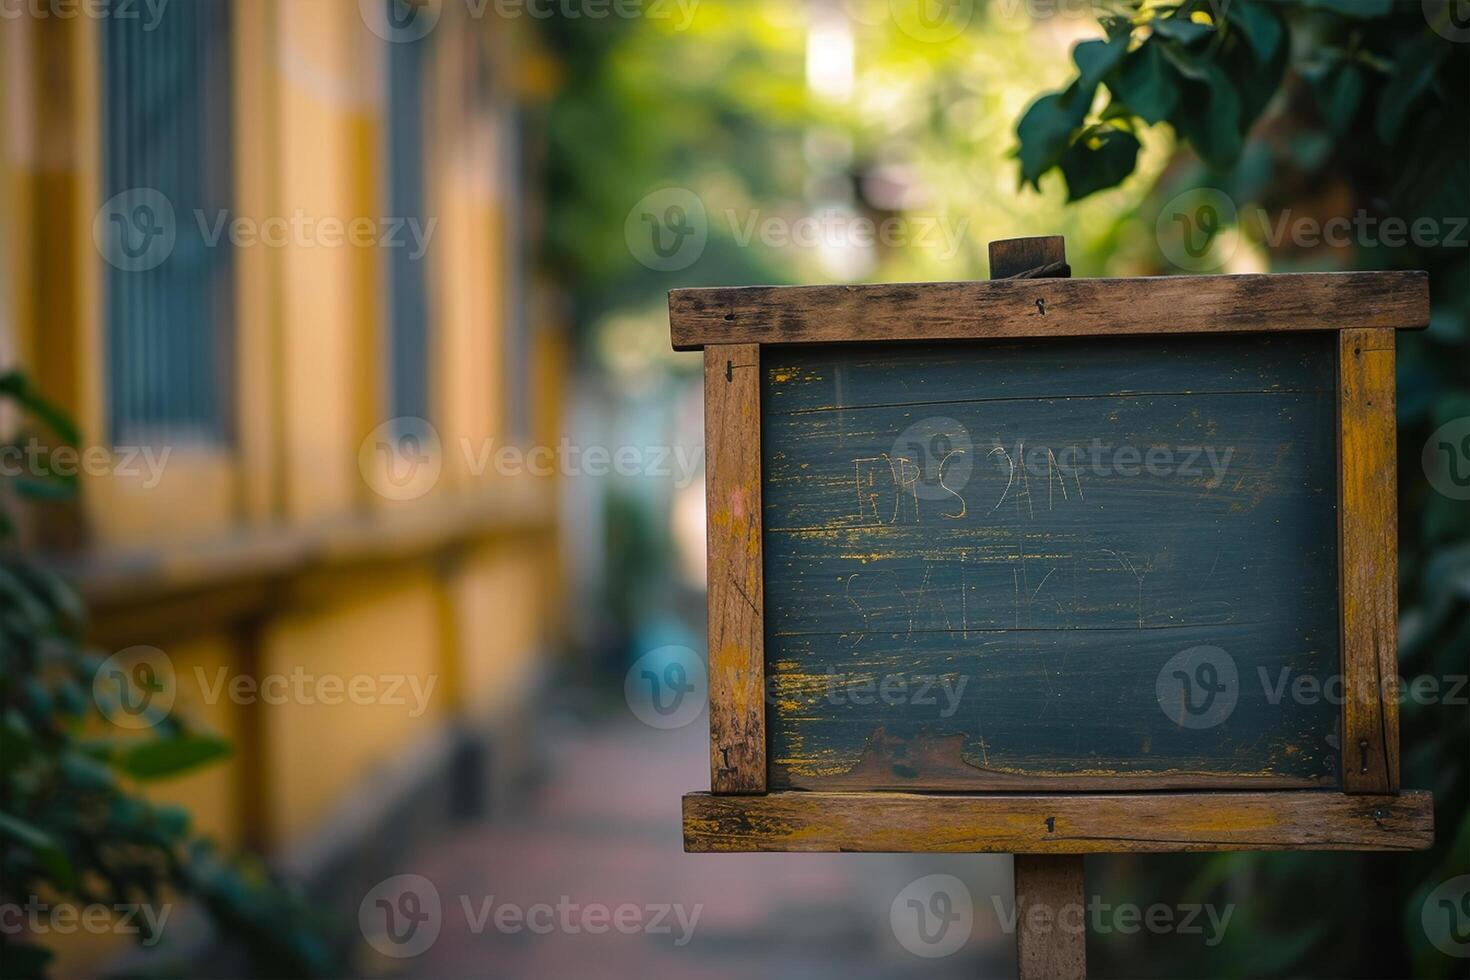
{"points": [[1285, 104], [1172, 63], [73, 829]]}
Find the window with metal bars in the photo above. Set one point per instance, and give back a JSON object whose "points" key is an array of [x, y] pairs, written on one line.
{"points": [[167, 176], [408, 292]]}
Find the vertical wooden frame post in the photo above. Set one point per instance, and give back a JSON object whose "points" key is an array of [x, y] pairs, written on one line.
{"points": [[1052, 881], [732, 459], [1368, 552]]}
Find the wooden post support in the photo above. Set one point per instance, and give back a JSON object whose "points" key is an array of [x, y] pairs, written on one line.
{"points": [[1051, 917], [1051, 945]]}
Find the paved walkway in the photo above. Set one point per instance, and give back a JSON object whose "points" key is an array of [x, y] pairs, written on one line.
{"points": [[604, 831]]}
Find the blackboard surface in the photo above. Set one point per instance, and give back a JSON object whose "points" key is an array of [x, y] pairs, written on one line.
{"points": [[1065, 564]]}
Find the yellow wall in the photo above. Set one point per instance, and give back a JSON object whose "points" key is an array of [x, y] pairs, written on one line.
{"points": [[325, 96], [383, 632], [466, 616], [213, 795], [498, 604]]}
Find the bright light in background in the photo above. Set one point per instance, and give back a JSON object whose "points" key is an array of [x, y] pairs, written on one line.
{"points": [[689, 534], [829, 54], [831, 75]]}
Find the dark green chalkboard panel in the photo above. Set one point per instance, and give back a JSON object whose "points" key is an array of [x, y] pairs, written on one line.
{"points": [[1002, 566]]}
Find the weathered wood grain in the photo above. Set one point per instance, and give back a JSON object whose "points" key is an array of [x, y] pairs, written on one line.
{"points": [[1299, 820], [732, 432], [1369, 553], [1013, 308], [1032, 257], [1016, 542], [1052, 883]]}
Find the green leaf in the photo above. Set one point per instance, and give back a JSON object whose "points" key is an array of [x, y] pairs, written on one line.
{"points": [[1147, 84], [1188, 63], [81, 772], [1338, 91], [1181, 29], [1115, 25], [1361, 9], [173, 821], [1095, 59], [15, 386], [1256, 82], [1210, 118], [1098, 160], [16, 739], [49, 854], [1261, 25], [1044, 131], [26, 960], [166, 758], [49, 486], [1413, 73], [16, 590]]}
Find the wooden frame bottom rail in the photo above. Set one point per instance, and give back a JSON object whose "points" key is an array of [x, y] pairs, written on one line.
{"points": [[1059, 823]]}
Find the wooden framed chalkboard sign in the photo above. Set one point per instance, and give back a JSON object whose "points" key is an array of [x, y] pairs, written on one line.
{"points": [[1053, 566]]}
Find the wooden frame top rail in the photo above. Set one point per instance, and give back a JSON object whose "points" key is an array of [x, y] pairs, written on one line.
{"points": [[1016, 308]]}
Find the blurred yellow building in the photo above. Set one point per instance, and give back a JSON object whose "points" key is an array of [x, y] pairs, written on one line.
{"points": [[246, 245]]}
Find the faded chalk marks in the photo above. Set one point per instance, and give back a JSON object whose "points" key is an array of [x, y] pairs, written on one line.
{"points": [[1050, 524]]}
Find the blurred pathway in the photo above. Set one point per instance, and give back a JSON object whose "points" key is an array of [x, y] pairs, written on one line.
{"points": [[605, 830]]}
